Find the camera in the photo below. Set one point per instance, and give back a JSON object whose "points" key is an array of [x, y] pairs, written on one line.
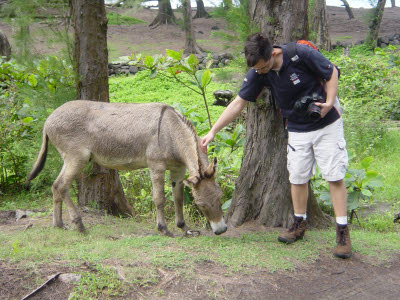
{"points": [[306, 106]]}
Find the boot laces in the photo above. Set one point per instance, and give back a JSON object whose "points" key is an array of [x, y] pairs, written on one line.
{"points": [[342, 237], [295, 225]]}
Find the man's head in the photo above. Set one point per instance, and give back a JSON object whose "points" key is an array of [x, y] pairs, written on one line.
{"points": [[257, 47]]}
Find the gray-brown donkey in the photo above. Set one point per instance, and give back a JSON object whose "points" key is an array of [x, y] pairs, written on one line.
{"points": [[126, 137]]}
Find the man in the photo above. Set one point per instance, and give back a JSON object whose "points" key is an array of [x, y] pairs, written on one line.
{"points": [[311, 140]]}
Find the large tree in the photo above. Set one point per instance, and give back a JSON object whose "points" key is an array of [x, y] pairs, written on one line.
{"points": [[262, 188], [319, 24], [99, 185], [375, 23], [190, 38], [165, 14]]}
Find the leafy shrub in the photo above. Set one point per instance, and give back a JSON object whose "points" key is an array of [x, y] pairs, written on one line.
{"points": [[27, 94]]}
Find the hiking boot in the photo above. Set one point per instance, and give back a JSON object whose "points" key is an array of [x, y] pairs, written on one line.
{"points": [[295, 232], [343, 249]]}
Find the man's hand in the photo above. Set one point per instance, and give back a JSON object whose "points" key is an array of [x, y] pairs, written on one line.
{"points": [[325, 108], [205, 141]]}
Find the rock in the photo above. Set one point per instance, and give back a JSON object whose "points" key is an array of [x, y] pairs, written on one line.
{"points": [[69, 277], [19, 214]]}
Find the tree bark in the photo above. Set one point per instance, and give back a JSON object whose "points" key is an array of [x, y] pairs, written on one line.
{"points": [[319, 25], [393, 3], [375, 23], [200, 10], [348, 9], [5, 48], [190, 39], [101, 186], [263, 188], [165, 14]]}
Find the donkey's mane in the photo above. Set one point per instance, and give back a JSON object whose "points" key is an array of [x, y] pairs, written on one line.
{"points": [[188, 125]]}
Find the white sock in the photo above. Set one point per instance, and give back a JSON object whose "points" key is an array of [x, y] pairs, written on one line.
{"points": [[301, 215], [341, 220]]}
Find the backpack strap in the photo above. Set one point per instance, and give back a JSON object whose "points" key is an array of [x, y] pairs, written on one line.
{"points": [[291, 51]]}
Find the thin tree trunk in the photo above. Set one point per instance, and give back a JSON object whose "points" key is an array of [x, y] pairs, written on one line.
{"points": [[319, 25], [263, 188], [348, 9], [200, 10], [190, 40], [165, 14], [101, 186], [5, 48], [393, 3], [375, 23]]}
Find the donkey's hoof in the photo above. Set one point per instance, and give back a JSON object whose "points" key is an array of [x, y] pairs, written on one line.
{"points": [[79, 225]]}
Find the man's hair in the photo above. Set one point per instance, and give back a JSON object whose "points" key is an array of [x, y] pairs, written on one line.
{"points": [[257, 47]]}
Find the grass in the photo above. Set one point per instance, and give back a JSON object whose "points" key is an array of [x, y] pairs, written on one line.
{"points": [[117, 19], [386, 161], [134, 249]]}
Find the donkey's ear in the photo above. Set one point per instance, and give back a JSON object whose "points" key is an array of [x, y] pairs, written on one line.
{"points": [[191, 181], [211, 169]]}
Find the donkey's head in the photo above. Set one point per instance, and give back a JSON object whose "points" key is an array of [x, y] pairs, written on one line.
{"points": [[207, 196]]}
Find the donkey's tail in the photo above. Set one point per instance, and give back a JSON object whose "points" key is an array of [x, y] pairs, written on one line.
{"points": [[40, 161]]}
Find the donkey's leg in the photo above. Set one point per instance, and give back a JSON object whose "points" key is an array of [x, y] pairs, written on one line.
{"points": [[157, 175], [57, 200], [73, 166], [177, 175]]}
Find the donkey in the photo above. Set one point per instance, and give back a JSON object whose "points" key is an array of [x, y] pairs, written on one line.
{"points": [[129, 136]]}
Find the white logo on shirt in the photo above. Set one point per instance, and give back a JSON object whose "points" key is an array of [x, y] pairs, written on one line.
{"points": [[295, 79], [245, 79]]}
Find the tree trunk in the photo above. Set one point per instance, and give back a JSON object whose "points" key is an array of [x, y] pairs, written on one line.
{"points": [[348, 9], [393, 3], [201, 11], [375, 23], [263, 188], [101, 186], [5, 48], [319, 25], [190, 40], [165, 14]]}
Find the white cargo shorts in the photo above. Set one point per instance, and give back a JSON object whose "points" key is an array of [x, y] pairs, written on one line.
{"points": [[326, 147]]}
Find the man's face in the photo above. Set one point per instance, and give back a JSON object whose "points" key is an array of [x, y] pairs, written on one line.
{"points": [[262, 66]]}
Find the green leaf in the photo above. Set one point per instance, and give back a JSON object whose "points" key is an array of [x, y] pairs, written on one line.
{"points": [[209, 63], [230, 142], [205, 78], [352, 200], [32, 81], [153, 73], [193, 62], [173, 54], [365, 163], [27, 120], [148, 61], [226, 205], [366, 192]]}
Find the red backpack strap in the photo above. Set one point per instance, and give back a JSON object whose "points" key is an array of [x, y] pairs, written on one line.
{"points": [[308, 43]]}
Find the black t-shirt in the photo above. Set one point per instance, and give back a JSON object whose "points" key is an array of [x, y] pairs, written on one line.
{"points": [[291, 83]]}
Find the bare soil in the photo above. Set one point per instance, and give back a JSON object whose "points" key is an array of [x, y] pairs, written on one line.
{"points": [[327, 278]]}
